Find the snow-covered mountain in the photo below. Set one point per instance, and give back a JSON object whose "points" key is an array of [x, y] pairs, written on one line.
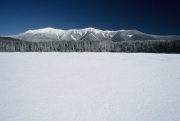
{"points": [[51, 34]]}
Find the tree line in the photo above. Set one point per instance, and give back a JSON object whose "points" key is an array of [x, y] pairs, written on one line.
{"points": [[150, 46]]}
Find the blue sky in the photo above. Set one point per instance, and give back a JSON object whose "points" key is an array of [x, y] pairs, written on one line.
{"points": [[153, 17]]}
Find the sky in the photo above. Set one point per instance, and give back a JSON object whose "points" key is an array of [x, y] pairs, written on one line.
{"points": [[153, 17]]}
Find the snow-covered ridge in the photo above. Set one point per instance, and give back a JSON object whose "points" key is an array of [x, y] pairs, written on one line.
{"points": [[52, 34], [49, 29], [45, 30]]}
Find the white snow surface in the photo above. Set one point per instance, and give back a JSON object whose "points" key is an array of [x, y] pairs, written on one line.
{"points": [[103, 34], [73, 37], [80, 33], [89, 87], [129, 35]]}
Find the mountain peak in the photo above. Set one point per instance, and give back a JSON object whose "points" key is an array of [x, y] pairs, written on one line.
{"points": [[91, 29], [44, 30]]}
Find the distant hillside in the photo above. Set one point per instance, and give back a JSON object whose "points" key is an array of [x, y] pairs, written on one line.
{"points": [[7, 39]]}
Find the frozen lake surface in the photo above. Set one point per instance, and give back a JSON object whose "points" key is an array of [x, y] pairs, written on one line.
{"points": [[89, 87]]}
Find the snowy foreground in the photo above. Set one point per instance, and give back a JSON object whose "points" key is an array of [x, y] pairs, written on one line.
{"points": [[89, 87]]}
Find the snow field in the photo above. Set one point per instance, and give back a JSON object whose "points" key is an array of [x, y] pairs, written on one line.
{"points": [[89, 87]]}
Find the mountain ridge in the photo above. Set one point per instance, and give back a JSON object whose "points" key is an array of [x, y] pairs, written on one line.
{"points": [[51, 34]]}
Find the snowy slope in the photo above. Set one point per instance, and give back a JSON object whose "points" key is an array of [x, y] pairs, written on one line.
{"points": [[131, 35], [89, 87], [58, 35], [51, 34]]}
